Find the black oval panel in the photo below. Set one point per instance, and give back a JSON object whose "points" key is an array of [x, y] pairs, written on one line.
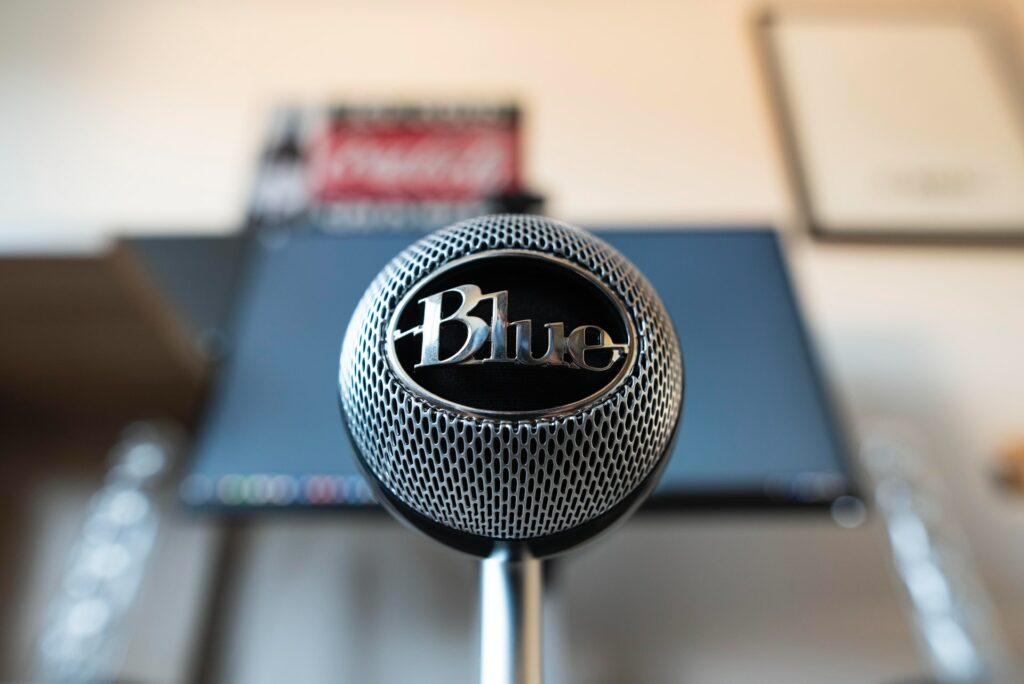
{"points": [[539, 288]]}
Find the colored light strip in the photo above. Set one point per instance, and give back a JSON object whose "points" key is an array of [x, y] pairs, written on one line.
{"points": [[269, 489]]}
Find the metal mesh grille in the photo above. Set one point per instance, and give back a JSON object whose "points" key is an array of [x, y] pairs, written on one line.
{"points": [[510, 479]]}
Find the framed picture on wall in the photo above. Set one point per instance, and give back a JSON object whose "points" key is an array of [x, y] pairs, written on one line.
{"points": [[898, 125]]}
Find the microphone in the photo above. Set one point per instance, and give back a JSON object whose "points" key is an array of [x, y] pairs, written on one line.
{"points": [[512, 386]]}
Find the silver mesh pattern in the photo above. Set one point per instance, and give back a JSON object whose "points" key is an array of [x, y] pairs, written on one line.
{"points": [[504, 479]]}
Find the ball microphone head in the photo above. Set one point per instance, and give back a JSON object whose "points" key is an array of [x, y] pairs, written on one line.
{"points": [[511, 379], [512, 386]]}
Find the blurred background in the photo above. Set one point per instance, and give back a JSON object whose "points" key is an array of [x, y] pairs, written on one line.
{"points": [[147, 150]]}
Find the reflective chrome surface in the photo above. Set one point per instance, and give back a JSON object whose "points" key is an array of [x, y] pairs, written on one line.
{"points": [[560, 350], [530, 474], [511, 618]]}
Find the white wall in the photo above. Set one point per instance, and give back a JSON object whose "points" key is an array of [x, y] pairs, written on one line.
{"points": [[147, 116]]}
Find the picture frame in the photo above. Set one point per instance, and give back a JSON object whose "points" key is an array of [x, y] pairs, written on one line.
{"points": [[897, 125]]}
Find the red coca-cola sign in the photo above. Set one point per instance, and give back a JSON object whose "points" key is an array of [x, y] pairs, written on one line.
{"points": [[415, 155]]}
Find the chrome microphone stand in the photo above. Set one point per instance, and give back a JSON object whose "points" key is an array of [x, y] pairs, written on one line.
{"points": [[575, 441], [511, 617]]}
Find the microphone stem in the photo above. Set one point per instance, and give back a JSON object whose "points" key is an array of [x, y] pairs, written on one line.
{"points": [[511, 613]]}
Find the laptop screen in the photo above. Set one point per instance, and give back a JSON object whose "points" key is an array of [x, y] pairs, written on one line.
{"points": [[757, 425]]}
